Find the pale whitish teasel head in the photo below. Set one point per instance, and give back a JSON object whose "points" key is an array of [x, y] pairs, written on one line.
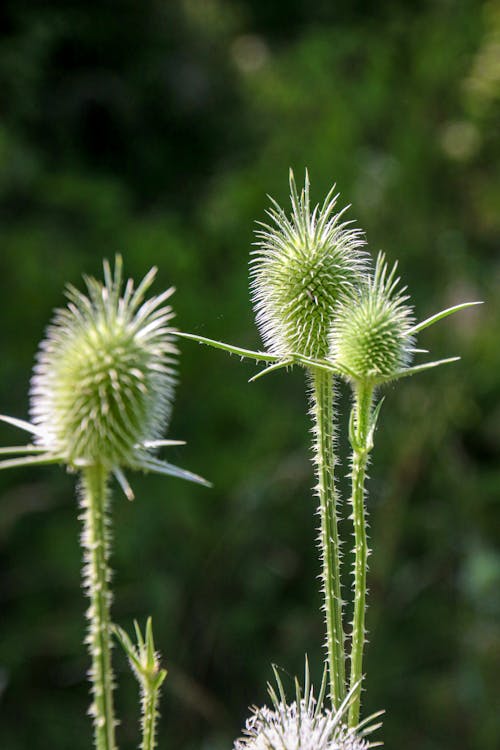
{"points": [[104, 380], [304, 265], [304, 724], [371, 338], [296, 727]]}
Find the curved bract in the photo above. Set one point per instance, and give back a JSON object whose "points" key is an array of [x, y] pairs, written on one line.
{"points": [[302, 268]]}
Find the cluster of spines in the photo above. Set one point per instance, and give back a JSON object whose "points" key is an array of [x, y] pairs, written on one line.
{"points": [[105, 376], [370, 338], [302, 268]]}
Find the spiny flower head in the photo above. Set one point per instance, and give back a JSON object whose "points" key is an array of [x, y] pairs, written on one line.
{"points": [[302, 268], [304, 724], [102, 390], [104, 381], [371, 337], [297, 727]]}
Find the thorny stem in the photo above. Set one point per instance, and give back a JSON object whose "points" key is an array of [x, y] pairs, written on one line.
{"points": [[322, 412], [361, 442], [149, 715], [96, 577]]}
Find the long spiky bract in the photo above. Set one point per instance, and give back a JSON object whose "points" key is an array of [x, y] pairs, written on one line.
{"points": [[303, 724], [101, 396]]}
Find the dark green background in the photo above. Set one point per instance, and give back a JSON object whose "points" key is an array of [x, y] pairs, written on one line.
{"points": [[156, 129]]}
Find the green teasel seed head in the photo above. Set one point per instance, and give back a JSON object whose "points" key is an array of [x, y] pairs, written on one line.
{"points": [[104, 380], [304, 265], [370, 339]]}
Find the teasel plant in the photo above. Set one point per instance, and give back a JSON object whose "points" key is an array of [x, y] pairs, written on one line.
{"points": [[319, 306], [100, 399], [304, 723], [304, 266], [372, 342]]}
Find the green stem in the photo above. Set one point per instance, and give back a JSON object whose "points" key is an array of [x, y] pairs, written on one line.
{"points": [[361, 446], [322, 412], [149, 716], [96, 577]]}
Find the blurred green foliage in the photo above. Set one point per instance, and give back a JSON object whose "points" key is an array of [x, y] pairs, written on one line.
{"points": [[156, 129]]}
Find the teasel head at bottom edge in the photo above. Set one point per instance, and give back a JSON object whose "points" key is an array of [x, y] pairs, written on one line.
{"points": [[304, 723]]}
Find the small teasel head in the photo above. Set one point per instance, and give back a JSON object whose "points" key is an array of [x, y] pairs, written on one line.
{"points": [[104, 380], [371, 339], [303, 267]]}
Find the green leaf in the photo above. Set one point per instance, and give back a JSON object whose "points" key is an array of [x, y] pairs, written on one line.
{"points": [[129, 648], [440, 315], [162, 467], [373, 423], [21, 449], [150, 645], [420, 368], [138, 635], [352, 429], [21, 423], [46, 458], [162, 443], [325, 365], [271, 368], [248, 353], [123, 482]]}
